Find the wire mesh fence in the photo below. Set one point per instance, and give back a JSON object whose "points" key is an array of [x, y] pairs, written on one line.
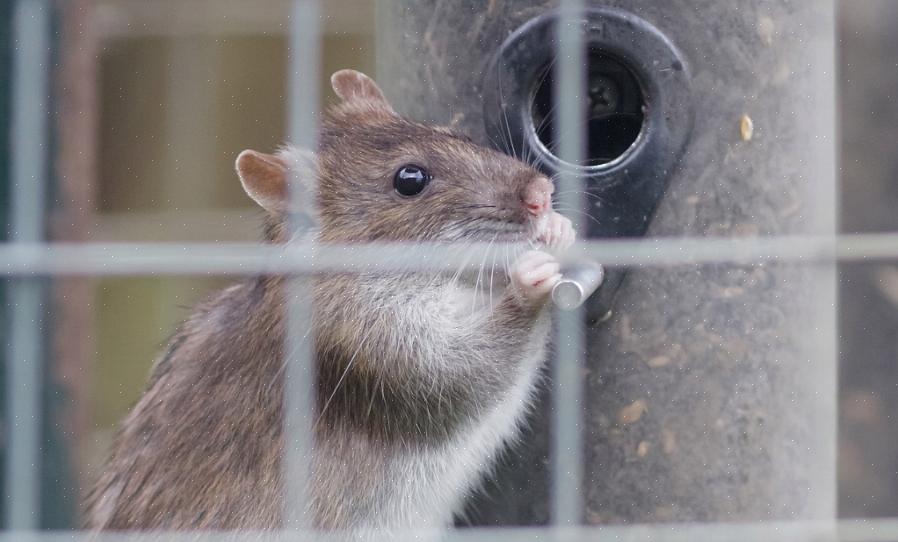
{"points": [[27, 261]]}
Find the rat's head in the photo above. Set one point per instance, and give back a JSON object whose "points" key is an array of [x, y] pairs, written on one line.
{"points": [[379, 177]]}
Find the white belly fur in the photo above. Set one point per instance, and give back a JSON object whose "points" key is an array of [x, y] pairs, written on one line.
{"points": [[429, 486]]}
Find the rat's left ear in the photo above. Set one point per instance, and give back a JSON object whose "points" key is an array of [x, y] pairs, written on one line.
{"points": [[357, 88]]}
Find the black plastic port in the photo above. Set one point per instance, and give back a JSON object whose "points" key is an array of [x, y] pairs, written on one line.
{"points": [[614, 109], [638, 109]]}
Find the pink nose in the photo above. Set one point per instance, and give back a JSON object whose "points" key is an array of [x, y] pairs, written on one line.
{"points": [[537, 196]]}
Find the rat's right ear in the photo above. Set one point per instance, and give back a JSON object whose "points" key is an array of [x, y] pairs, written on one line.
{"points": [[264, 177]]}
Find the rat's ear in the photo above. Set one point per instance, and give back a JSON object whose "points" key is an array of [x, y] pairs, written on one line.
{"points": [[264, 177], [356, 87]]}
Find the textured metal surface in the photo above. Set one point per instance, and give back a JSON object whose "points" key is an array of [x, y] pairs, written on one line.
{"points": [[710, 392]]}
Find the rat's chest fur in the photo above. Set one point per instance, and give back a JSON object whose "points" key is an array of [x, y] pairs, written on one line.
{"points": [[405, 427], [431, 432]]}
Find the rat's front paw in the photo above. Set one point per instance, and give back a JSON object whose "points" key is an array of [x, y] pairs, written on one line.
{"points": [[558, 233], [533, 275]]}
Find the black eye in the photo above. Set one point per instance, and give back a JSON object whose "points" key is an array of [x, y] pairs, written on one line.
{"points": [[410, 180]]}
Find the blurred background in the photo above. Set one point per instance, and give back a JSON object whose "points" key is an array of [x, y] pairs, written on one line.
{"points": [[156, 98], [182, 88], [868, 316]]}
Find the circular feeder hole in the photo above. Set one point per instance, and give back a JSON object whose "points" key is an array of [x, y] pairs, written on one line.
{"points": [[614, 108]]}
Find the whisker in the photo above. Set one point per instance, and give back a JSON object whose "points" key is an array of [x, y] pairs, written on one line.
{"points": [[342, 378], [577, 211], [505, 119], [492, 270], [596, 197]]}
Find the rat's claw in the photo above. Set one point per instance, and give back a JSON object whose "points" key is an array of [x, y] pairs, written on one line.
{"points": [[533, 275], [559, 233]]}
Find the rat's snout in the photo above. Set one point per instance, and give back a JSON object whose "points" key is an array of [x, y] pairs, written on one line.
{"points": [[537, 196]]}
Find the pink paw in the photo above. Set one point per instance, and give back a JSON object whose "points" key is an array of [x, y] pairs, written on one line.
{"points": [[558, 233], [533, 275]]}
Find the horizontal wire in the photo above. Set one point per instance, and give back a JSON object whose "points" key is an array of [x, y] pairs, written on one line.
{"points": [[870, 530], [25, 259]]}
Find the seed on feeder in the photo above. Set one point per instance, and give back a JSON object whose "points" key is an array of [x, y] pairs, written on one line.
{"points": [[659, 361], [632, 412], [746, 128], [642, 449], [730, 292], [766, 29]]}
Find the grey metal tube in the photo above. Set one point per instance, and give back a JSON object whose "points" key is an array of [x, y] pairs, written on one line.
{"points": [[576, 285], [710, 394]]}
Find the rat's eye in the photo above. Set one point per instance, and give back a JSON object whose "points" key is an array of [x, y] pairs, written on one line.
{"points": [[410, 180]]}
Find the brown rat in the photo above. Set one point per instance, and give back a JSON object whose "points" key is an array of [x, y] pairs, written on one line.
{"points": [[421, 378]]}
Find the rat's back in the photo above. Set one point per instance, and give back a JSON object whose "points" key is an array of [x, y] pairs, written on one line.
{"points": [[201, 447]]}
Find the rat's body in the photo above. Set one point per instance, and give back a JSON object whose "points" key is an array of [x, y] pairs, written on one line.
{"points": [[421, 378]]}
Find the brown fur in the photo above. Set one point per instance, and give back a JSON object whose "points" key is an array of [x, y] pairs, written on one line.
{"points": [[202, 448]]}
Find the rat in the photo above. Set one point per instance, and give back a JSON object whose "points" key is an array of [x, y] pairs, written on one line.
{"points": [[421, 378]]}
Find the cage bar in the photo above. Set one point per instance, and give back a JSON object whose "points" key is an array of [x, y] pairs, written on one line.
{"points": [[97, 259], [567, 440], [299, 349], [27, 257], [31, 26], [871, 530]]}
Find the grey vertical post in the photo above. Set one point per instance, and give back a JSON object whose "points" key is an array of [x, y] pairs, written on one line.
{"points": [[710, 392], [299, 392], [567, 442], [31, 26]]}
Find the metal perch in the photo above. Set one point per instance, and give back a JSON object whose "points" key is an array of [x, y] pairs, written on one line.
{"points": [[577, 284]]}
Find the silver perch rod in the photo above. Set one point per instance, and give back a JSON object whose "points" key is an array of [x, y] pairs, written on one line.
{"points": [[577, 284]]}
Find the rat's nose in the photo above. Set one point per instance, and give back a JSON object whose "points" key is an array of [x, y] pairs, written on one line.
{"points": [[537, 195]]}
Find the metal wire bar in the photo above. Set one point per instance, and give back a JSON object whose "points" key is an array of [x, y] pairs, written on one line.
{"points": [[567, 440], [24, 404], [824, 531], [31, 27], [299, 351], [821, 391], [31, 259], [870, 530]]}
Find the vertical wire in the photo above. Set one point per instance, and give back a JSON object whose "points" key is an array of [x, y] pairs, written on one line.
{"points": [[31, 27], [299, 392], [824, 198], [567, 441]]}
